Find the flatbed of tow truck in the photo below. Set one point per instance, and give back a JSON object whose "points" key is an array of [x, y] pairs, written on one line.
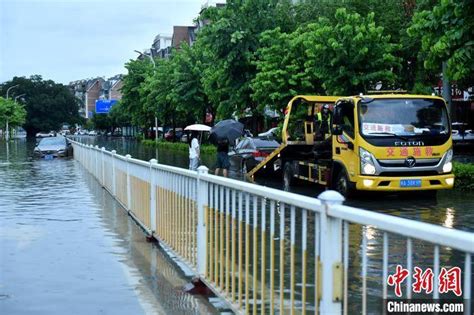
{"points": [[297, 156]]}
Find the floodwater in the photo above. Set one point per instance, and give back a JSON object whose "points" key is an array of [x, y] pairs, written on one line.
{"points": [[66, 247]]}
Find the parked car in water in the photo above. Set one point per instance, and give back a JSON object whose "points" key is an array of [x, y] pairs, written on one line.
{"points": [[184, 138], [469, 135], [249, 152], [458, 131], [269, 133], [92, 133], [52, 147], [170, 134]]}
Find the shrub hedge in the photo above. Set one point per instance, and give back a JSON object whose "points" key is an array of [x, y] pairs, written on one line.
{"points": [[464, 173], [179, 146]]}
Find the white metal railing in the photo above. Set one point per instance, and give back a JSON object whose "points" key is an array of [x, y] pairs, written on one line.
{"points": [[270, 251]]}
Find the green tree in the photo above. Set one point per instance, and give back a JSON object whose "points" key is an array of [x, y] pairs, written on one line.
{"points": [[101, 122], [230, 41], [156, 95], [48, 104], [394, 16], [447, 35], [132, 102], [11, 113], [344, 55], [281, 70], [187, 92], [118, 116]]}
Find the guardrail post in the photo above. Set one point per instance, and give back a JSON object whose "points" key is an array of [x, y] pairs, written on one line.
{"points": [[114, 191], [202, 196], [129, 189], [331, 255], [152, 196], [89, 167], [96, 170], [103, 166]]}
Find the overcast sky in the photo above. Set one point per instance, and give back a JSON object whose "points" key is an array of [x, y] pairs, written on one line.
{"points": [[76, 39]]}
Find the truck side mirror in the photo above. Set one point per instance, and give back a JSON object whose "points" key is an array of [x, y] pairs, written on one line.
{"points": [[337, 130]]}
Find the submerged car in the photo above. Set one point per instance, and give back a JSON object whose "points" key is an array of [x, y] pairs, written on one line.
{"points": [[49, 148]]}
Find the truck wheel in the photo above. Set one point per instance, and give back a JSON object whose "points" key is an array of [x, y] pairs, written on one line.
{"points": [[342, 184], [288, 178]]}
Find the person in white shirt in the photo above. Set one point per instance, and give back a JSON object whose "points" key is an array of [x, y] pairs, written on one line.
{"points": [[193, 152]]}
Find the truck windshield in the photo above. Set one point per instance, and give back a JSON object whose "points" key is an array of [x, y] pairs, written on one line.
{"points": [[403, 118]]}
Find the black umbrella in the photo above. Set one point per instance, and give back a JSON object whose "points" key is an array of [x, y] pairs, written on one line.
{"points": [[226, 129]]}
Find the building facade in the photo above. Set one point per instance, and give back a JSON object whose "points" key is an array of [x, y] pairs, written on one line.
{"points": [[88, 91]]}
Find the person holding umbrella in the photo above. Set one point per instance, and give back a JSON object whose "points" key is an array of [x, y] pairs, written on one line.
{"points": [[222, 134], [194, 144], [194, 151]]}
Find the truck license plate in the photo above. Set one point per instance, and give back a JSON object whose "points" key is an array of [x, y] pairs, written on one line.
{"points": [[410, 183]]}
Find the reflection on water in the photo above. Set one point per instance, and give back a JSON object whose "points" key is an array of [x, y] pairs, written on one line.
{"points": [[159, 277], [67, 247]]}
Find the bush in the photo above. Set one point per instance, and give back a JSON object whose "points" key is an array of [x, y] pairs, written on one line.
{"points": [[179, 146], [464, 176]]}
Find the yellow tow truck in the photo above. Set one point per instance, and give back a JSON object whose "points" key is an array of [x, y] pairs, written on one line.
{"points": [[384, 142]]}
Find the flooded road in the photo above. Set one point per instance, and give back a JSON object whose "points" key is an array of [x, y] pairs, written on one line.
{"points": [[66, 247]]}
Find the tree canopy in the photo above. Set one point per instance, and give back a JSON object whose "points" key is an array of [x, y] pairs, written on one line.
{"points": [[341, 56], [253, 54], [48, 104], [11, 112], [447, 35]]}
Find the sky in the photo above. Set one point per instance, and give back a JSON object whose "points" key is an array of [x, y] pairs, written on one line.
{"points": [[77, 39]]}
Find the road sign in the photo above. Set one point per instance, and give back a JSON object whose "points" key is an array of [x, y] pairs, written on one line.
{"points": [[104, 106]]}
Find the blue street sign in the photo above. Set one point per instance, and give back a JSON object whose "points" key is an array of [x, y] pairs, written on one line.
{"points": [[104, 106]]}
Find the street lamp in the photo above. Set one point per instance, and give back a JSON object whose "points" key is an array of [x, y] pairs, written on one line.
{"points": [[154, 67], [149, 56], [7, 131], [11, 87], [16, 97]]}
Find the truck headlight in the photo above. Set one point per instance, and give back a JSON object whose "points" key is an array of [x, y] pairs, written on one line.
{"points": [[448, 164], [367, 166]]}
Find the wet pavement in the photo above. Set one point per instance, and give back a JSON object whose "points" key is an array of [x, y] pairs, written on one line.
{"points": [[66, 247]]}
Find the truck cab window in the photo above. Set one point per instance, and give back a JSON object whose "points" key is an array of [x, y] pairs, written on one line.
{"points": [[344, 117]]}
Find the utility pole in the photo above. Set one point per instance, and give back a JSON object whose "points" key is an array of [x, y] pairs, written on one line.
{"points": [[447, 90], [7, 127]]}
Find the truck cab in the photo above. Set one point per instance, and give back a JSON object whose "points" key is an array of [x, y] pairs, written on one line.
{"points": [[391, 142]]}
